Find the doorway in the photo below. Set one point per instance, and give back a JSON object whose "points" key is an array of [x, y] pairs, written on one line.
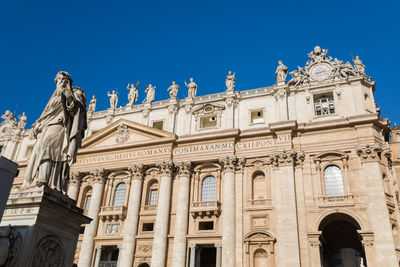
{"points": [[207, 256]]}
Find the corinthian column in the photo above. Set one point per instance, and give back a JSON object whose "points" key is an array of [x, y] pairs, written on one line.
{"points": [[182, 215], [161, 229], [74, 184], [228, 212], [132, 218], [286, 210], [85, 256]]}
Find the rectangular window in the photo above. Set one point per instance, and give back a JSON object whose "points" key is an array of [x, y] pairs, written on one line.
{"points": [[147, 227], [153, 197], [398, 155], [324, 105], [209, 225], [208, 122], [257, 116], [28, 152], [87, 203], [158, 124]]}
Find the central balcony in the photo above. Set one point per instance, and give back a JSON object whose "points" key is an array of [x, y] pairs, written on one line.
{"points": [[205, 209], [113, 213]]}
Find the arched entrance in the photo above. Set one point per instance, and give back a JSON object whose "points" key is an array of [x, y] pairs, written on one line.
{"points": [[143, 265], [341, 243]]}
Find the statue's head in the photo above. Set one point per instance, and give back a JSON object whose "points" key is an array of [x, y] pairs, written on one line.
{"points": [[357, 57], [113, 92], [63, 79], [94, 97], [191, 79], [173, 82], [317, 50], [230, 72], [280, 62]]}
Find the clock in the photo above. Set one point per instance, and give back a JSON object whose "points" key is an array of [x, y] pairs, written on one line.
{"points": [[320, 72]]}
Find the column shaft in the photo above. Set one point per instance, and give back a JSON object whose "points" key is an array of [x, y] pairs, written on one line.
{"points": [[85, 256], [97, 257], [218, 258], [181, 222], [192, 262], [158, 257], [228, 220], [73, 191], [132, 219]]}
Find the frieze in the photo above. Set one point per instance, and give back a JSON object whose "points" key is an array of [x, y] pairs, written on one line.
{"points": [[112, 229], [203, 148]]}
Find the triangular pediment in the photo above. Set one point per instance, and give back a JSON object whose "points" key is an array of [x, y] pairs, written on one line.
{"points": [[126, 133]]}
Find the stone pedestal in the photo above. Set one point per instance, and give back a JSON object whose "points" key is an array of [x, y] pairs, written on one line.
{"points": [[40, 227], [8, 171]]}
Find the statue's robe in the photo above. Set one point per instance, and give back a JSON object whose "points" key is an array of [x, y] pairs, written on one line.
{"points": [[60, 130]]}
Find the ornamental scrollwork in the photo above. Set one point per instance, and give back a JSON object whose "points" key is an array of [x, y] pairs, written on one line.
{"points": [[165, 167], [99, 175], [369, 152], [228, 163], [75, 178], [137, 171], [184, 168]]}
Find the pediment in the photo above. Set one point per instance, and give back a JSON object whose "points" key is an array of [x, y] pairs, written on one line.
{"points": [[126, 133]]}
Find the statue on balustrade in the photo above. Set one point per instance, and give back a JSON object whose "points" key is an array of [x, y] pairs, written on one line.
{"points": [[192, 88], [59, 132]]}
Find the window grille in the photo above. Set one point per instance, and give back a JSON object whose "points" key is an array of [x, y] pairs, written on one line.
{"points": [[324, 106], [119, 196], [333, 181], [208, 189]]}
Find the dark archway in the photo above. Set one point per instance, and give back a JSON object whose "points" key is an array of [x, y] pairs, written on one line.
{"points": [[341, 243], [143, 265]]}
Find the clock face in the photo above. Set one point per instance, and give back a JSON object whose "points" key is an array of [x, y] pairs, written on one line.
{"points": [[320, 72]]}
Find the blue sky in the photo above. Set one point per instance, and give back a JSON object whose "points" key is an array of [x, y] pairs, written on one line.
{"points": [[105, 45]]}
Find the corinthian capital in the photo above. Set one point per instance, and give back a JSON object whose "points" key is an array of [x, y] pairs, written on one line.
{"points": [[228, 163], [137, 171], [283, 158], [99, 175], [369, 152], [184, 168], [165, 167], [75, 178]]}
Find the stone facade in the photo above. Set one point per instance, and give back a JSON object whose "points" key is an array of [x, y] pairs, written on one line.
{"points": [[295, 174]]}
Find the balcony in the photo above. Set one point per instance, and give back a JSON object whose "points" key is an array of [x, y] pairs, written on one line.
{"points": [[148, 209], [113, 213], [344, 200], [205, 209]]}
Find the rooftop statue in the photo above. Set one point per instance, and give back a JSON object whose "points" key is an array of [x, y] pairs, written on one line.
{"points": [[92, 105], [230, 81], [133, 93], [113, 99], [150, 91], [59, 132], [22, 121], [358, 65], [192, 88], [281, 72], [173, 90], [8, 117]]}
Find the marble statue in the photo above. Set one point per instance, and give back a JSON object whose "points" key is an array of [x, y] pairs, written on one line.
{"points": [[358, 65], [150, 91], [59, 132], [8, 116], [133, 93], [113, 99], [318, 54], [230, 81], [92, 105], [22, 121], [192, 88], [173, 90], [281, 72]]}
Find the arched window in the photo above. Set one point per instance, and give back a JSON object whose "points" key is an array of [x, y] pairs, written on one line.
{"points": [[119, 195], [87, 198], [208, 189], [152, 194], [333, 181]]}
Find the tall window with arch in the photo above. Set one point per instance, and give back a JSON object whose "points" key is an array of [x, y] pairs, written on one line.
{"points": [[208, 189], [87, 198], [152, 194], [119, 195], [333, 181]]}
